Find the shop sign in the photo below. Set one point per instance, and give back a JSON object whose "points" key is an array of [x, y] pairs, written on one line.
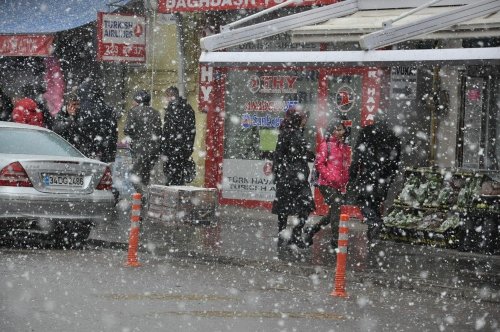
{"points": [[272, 84], [266, 121], [269, 105], [345, 98], [247, 179], [370, 97], [404, 82], [176, 6], [206, 84], [121, 38], [26, 45]]}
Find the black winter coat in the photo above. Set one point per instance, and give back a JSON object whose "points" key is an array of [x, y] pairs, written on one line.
{"points": [[179, 130], [98, 122], [291, 174], [375, 162], [144, 128], [67, 126]]}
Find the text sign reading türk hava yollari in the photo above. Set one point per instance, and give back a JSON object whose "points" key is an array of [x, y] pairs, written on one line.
{"points": [[121, 38], [172, 6]]}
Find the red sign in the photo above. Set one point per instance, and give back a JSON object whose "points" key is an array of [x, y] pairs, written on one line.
{"points": [[370, 97], [272, 84], [121, 38], [176, 6], [26, 45], [474, 95]]}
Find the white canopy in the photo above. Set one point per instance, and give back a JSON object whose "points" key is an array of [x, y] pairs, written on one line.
{"points": [[460, 56]]}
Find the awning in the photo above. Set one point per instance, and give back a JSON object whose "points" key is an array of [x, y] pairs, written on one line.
{"points": [[47, 16], [351, 28], [450, 56]]}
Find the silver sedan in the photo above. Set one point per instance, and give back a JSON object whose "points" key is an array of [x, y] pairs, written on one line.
{"points": [[48, 186]]}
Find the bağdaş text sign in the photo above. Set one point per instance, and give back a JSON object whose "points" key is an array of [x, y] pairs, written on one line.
{"points": [[26, 45], [121, 38], [176, 6]]}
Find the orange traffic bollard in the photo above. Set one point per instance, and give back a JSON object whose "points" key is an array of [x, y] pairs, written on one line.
{"points": [[352, 211], [339, 286], [133, 241]]}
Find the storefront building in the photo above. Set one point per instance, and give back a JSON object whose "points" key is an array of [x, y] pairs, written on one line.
{"points": [[439, 89]]}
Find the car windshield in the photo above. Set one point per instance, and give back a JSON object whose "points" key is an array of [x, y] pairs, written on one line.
{"points": [[35, 142]]}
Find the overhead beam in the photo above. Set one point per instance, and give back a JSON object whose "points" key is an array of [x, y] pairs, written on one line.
{"points": [[453, 56], [397, 34], [261, 30]]}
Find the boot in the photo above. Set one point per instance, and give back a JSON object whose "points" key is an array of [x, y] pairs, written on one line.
{"points": [[308, 237], [297, 237]]}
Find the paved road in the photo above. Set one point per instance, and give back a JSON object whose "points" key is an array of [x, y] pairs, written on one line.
{"points": [[90, 290]]}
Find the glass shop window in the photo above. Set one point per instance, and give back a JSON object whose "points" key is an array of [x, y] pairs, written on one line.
{"points": [[255, 105]]}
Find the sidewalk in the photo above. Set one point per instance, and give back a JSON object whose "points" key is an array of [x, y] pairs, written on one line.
{"points": [[248, 237]]}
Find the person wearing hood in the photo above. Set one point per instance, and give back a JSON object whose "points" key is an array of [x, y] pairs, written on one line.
{"points": [[375, 163], [143, 127], [98, 122], [332, 163], [65, 123], [26, 111], [291, 173], [35, 92], [179, 130]]}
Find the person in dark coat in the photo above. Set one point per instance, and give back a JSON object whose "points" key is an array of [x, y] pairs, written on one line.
{"points": [[376, 158], [66, 121], [6, 106], [291, 174], [179, 129], [97, 121], [143, 126]]}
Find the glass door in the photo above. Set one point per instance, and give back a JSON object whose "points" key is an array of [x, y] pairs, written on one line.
{"points": [[478, 146]]}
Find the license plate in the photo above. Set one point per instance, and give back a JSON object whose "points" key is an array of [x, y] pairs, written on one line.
{"points": [[65, 180]]}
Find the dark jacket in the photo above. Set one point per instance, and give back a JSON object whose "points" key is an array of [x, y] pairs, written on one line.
{"points": [[97, 121], [5, 107], [291, 174], [376, 158], [67, 126], [144, 128], [179, 130]]}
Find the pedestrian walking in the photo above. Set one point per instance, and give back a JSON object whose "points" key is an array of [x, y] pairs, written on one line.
{"points": [[332, 163], [179, 130], [291, 174], [376, 158], [143, 126], [98, 122]]}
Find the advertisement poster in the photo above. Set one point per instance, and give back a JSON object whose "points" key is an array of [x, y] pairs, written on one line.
{"points": [[121, 38], [245, 179], [404, 82]]}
